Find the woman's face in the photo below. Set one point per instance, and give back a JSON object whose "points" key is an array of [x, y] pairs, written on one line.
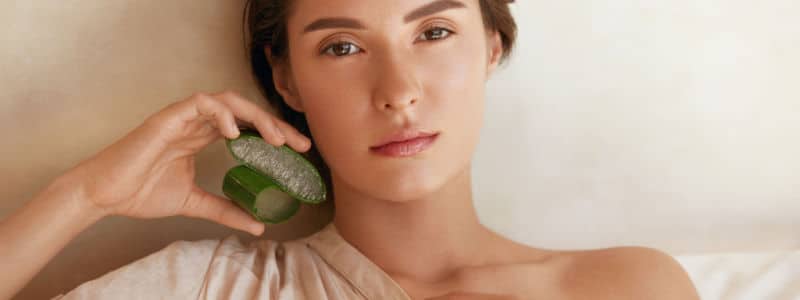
{"points": [[361, 70]]}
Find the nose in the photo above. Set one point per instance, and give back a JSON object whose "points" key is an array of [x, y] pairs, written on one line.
{"points": [[397, 87]]}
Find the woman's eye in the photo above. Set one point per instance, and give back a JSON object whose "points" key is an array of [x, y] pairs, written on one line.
{"points": [[435, 33], [342, 49]]}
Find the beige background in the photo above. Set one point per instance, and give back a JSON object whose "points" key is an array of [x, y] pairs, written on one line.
{"points": [[671, 124]]}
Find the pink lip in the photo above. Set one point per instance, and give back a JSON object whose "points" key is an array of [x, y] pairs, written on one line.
{"points": [[405, 143], [403, 135]]}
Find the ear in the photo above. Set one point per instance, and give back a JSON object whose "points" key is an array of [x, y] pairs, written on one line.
{"points": [[283, 81], [495, 52]]}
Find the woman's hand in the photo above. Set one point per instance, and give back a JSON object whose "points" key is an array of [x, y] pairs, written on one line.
{"points": [[150, 172]]}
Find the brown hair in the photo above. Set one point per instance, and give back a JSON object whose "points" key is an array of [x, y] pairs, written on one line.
{"points": [[265, 26]]}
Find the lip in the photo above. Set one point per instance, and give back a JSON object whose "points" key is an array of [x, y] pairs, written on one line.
{"points": [[405, 142], [402, 136]]}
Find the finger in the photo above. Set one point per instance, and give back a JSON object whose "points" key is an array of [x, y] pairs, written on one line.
{"points": [[255, 115], [205, 205], [246, 110], [218, 113], [195, 112], [202, 140], [295, 139], [203, 127]]}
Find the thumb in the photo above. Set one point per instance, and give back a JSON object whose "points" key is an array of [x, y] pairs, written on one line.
{"points": [[205, 205]]}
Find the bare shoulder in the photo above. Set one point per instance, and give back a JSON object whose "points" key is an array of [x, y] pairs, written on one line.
{"points": [[625, 273]]}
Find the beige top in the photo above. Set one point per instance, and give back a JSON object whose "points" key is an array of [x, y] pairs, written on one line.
{"points": [[320, 266]]}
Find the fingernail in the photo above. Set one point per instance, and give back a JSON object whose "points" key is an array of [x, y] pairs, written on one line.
{"points": [[280, 134], [255, 228]]}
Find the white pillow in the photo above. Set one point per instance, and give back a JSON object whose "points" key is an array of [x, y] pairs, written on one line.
{"points": [[672, 124], [745, 276]]}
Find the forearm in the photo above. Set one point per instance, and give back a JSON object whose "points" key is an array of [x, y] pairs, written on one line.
{"points": [[33, 234]]}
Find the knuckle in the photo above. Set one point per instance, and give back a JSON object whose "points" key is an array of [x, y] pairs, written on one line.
{"points": [[204, 102], [230, 97], [288, 127], [230, 94], [208, 104], [197, 96], [193, 203], [273, 123]]}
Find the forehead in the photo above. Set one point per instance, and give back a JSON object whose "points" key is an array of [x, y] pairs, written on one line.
{"points": [[370, 12]]}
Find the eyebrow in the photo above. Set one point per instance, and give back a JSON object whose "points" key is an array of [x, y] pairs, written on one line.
{"points": [[423, 11], [432, 8]]}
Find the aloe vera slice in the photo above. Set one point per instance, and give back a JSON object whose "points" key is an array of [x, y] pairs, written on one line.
{"points": [[288, 169], [258, 195]]}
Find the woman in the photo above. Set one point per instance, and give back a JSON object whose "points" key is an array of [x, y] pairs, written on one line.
{"points": [[355, 76]]}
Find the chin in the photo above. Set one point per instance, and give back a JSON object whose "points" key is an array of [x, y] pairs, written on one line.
{"points": [[407, 188]]}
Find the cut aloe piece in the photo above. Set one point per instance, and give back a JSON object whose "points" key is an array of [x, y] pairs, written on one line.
{"points": [[288, 169], [258, 195]]}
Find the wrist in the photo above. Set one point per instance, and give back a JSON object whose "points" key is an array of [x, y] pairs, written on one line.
{"points": [[72, 199], [32, 235]]}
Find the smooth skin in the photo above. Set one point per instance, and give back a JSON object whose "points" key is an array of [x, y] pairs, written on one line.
{"points": [[395, 64], [149, 173], [413, 217]]}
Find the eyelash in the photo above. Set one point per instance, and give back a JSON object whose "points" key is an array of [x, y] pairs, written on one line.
{"points": [[327, 50]]}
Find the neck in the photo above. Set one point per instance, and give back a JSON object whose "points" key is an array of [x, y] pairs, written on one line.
{"points": [[424, 238]]}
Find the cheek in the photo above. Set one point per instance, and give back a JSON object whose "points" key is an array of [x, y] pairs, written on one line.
{"points": [[451, 67], [454, 72], [334, 108], [454, 81]]}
